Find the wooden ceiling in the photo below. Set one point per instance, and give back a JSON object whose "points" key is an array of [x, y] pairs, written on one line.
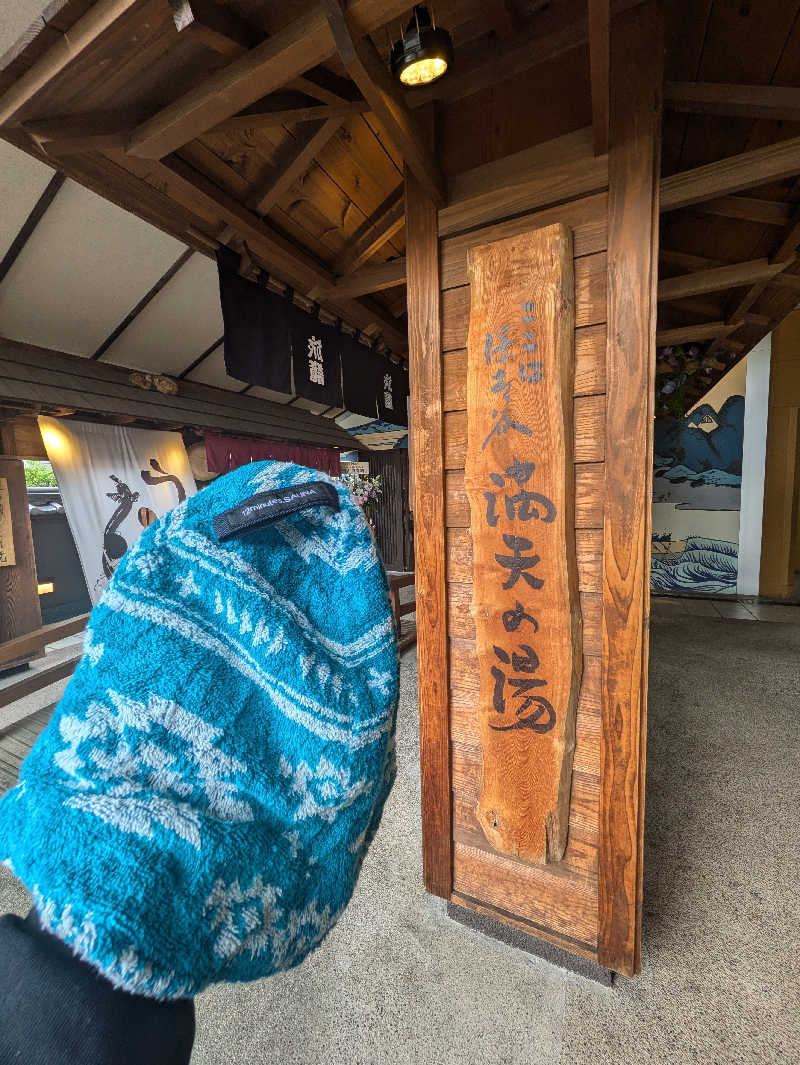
{"points": [[274, 128]]}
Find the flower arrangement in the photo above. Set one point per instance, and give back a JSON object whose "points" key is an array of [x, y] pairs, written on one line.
{"points": [[366, 491], [683, 375]]}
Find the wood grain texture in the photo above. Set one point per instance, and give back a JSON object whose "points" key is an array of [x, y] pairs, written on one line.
{"points": [[588, 498], [589, 373], [519, 473], [630, 381], [425, 368], [19, 601], [588, 550], [590, 301]]}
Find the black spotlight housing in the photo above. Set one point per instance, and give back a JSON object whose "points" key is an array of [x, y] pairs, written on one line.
{"points": [[424, 52]]}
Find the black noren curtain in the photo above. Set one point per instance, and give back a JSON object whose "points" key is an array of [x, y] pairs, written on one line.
{"points": [[257, 347]]}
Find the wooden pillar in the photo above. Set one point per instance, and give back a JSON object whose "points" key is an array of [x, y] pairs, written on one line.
{"points": [[425, 367], [19, 600], [634, 159]]}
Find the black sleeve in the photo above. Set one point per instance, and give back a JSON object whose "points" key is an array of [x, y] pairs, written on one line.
{"points": [[57, 1010]]}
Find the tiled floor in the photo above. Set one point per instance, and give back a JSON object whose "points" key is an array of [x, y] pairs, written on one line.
{"points": [[736, 609]]}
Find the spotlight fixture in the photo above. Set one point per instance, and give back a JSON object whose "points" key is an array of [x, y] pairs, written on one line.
{"points": [[423, 53]]}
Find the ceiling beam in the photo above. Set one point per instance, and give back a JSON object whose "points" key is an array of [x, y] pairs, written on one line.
{"points": [[375, 232], [69, 46], [267, 119], [747, 208], [30, 223], [275, 253], [717, 279], [778, 102], [213, 25], [599, 71], [758, 167], [686, 261], [368, 71], [143, 302], [686, 334], [310, 88], [306, 42], [305, 151], [374, 278]]}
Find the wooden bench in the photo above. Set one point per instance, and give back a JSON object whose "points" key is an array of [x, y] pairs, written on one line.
{"points": [[400, 610]]}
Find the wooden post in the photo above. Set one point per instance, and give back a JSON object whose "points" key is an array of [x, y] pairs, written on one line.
{"points": [[425, 368], [19, 601], [635, 125]]}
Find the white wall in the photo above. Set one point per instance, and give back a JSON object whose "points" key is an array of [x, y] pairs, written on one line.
{"points": [[754, 450]]}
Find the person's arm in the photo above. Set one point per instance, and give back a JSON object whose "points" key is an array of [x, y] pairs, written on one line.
{"points": [[57, 1010]]}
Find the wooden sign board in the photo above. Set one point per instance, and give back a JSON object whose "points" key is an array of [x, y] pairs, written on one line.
{"points": [[519, 479], [7, 556]]}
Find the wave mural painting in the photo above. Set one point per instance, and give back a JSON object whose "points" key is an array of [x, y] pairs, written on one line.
{"points": [[697, 481]]}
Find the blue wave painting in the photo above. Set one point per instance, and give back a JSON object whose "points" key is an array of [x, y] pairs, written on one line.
{"points": [[703, 566]]}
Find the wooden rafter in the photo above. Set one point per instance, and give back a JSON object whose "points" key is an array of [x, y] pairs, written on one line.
{"points": [[777, 102], [290, 52], [376, 232], [75, 134], [316, 92], [758, 167], [598, 67], [305, 152], [368, 71], [686, 334], [70, 45], [291, 116], [213, 25], [717, 279], [150, 295], [30, 224], [747, 208], [376, 278]]}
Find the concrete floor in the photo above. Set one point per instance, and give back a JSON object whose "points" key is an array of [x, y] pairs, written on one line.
{"points": [[396, 982]]}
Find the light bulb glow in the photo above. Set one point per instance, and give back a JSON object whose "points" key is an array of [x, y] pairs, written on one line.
{"points": [[423, 71], [53, 440]]}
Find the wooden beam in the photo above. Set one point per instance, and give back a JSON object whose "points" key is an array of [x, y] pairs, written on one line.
{"points": [[598, 68], [777, 102], [686, 261], [68, 47], [635, 138], [75, 134], [291, 116], [373, 234], [31, 642], [375, 278], [369, 72], [425, 369], [36, 680], [693, 305], [30, 224], [717, 279], [749, 209], [317, 92], [150, 295], [687, 334], [213, 25], [306, 150], [784, 280], [276, 253], [498, 15], [758, 167], [304, 43]]}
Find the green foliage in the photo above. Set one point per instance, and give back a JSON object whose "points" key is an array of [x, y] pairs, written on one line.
{"points": [[39, 474]]}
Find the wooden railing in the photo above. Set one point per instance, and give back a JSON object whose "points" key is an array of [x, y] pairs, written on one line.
{"points": [[36, 679], [396, 582]]}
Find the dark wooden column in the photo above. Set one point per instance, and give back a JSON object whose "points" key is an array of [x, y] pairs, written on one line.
{"points": [[634, 159], [425, 367], [19, 600]]}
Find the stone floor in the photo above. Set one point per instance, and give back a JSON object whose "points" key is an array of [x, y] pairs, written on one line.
{"points": [[398, 983]]}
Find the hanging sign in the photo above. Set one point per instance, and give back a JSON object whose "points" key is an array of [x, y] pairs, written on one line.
{"points": [[519, 480], [7, 556], [114, 482]]}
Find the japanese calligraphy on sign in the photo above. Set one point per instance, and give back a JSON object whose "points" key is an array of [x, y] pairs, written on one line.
{"points": [[316, 369], [519, 480]]}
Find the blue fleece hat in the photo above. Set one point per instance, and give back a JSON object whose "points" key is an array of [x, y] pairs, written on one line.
{"points": [[199, 805]]}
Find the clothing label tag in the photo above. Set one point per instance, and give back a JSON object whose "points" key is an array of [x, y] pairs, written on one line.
{"points": [[264, 508]]}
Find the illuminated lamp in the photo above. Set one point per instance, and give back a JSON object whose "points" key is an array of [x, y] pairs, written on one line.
{"points": [[424, 52]]}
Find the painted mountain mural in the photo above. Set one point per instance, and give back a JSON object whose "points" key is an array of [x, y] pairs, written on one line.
{"points": [[696, 498]]}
